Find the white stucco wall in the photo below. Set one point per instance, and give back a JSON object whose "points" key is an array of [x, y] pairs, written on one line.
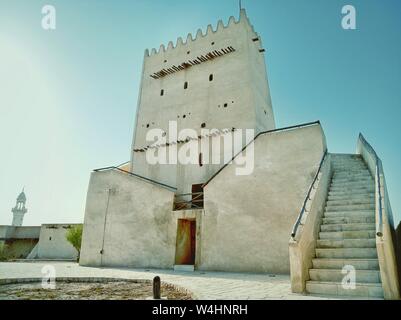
{"points": [[248, 219], [129, 220], [19, 232], [233, 73], [183, 176], [239, 81], [53, 243]]}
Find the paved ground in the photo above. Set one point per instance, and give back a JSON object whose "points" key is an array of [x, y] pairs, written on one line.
{"points": [[204, 285]]}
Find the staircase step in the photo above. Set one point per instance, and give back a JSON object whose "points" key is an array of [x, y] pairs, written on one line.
{"points": [[344, 220], [352, 178], [343, 175], [348, 162], [346, 243], [351, 184], [351, 196], [349, 167], [348, 178], [350, 214], [343, 172], [340, 235], [355, 193], [351, 173], [350, 207], [348, 227], [361, 264], [354, 169], [342, 202], [370, 290], [359, 253], [337, 275], [356, 190], [363, 180]]}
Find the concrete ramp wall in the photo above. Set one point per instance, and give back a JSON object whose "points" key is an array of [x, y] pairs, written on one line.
{"points": [[128, 222], [248, 219]]}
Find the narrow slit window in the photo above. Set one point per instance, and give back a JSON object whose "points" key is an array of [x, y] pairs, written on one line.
{"points": [[200, 160], [162, 92], [211, 77], [186, 85]]}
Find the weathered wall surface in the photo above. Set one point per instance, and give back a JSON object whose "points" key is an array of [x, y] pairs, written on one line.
{"points": [[16, 248], [183, 176], [13, 232], [128, 222], [53, 243], [248, 219], [17, 242]]}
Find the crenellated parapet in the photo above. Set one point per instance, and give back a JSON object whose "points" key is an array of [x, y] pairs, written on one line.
{"points": [[221, 27]]}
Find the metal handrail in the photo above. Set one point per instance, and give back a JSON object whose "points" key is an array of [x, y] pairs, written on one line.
{"points": [[297, 223], [379, 231], [135, 175], [253, 140], [188, 194], [198, 198]]}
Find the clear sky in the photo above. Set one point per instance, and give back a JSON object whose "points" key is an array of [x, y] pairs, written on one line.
{"points": [[68, 97]]}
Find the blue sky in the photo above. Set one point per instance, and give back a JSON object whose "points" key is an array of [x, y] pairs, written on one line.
{"points": [[68, 97]]}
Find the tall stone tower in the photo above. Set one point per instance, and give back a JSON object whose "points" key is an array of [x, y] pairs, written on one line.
{"points": [[19, 210], [216, 80]]}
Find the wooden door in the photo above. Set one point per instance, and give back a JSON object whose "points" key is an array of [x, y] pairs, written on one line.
{"points": [[186, 242]]}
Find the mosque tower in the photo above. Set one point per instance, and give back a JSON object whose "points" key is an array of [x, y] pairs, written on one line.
{"points": [[19, 210]]}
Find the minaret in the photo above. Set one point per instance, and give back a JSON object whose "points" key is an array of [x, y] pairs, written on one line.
{"points": [[19, 210]]}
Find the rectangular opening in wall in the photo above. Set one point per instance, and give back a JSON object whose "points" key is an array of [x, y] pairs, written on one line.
{"points": [[186, 242], [197, 196]]}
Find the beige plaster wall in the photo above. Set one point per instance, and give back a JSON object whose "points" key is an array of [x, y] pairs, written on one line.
{"points": [[128, 222], [248, 219]]}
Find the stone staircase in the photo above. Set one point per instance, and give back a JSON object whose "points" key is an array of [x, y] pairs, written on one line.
{"points": [[347, 233]]}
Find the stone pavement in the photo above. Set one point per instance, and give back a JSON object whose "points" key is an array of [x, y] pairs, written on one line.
{"points": [[203, 285]]}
